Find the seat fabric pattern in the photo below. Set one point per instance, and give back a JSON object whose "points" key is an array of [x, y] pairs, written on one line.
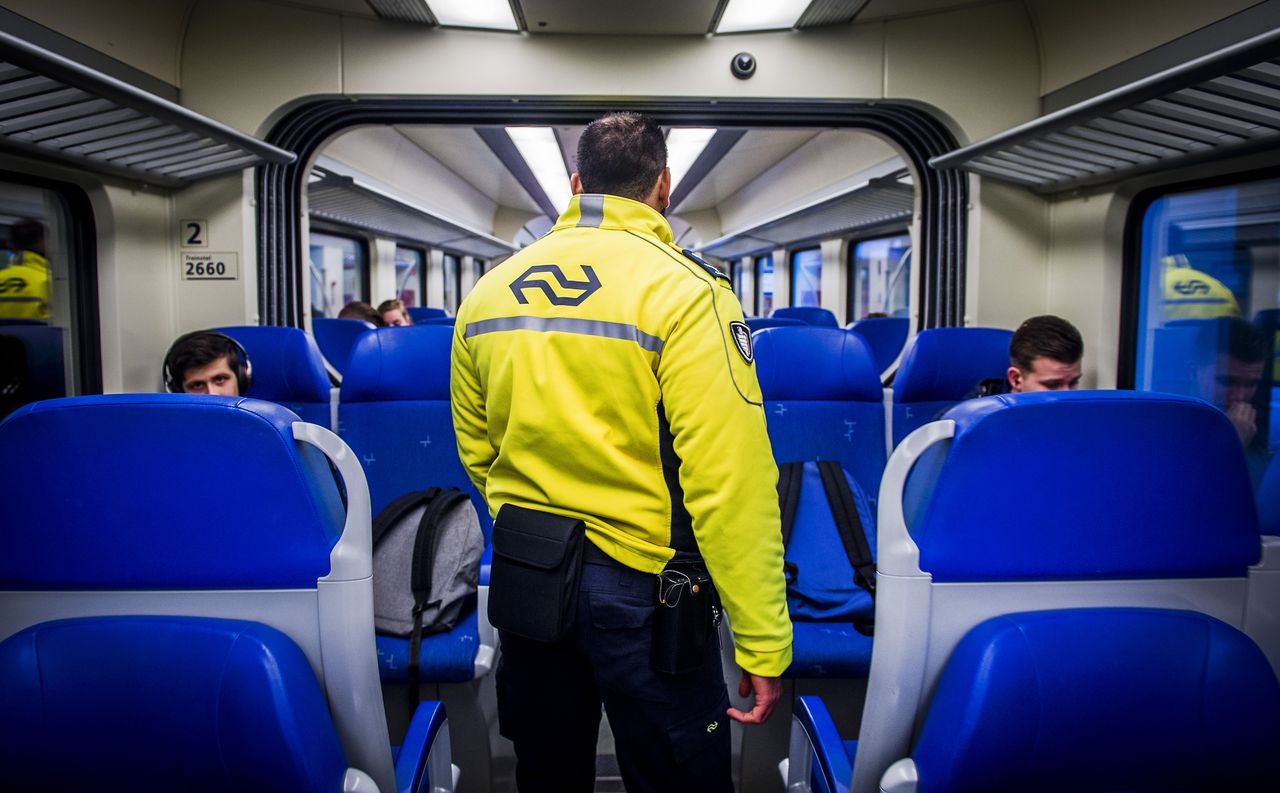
{"points": [[168, 703]]}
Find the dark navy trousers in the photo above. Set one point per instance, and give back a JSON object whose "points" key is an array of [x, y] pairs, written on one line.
{"points": [[671, 731]]}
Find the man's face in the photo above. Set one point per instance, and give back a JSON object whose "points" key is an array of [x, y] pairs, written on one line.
{"points": [[1045, 374], [215, 377], [1236, 381], [395, 317]]}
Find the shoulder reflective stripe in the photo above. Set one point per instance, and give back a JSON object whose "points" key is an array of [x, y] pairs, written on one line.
{"points": [[582, 327], [591, 210]]}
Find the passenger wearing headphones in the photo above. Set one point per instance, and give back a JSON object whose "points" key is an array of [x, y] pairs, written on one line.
{"points": [[207, 362]]}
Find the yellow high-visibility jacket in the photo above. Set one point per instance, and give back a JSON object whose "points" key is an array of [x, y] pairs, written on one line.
{"points": [[577, 360], [24, 287]]}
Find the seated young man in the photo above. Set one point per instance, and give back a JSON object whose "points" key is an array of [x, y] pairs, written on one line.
{"points": [[207, 362], [1044, 355], [358, 309], [394, 314]]}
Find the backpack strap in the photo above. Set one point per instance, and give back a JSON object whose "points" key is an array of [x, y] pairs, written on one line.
{"points": [[439, 502], [790, 475], [397, 509], [848, 524]]}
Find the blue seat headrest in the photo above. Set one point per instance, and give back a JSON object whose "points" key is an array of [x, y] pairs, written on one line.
{"points": [[166, 703], [814, 363], [1084, 485], [884, 335], [419, 313], [810, 315], [760, 323], [946, 363], [287, 365], [1102, 699], [164, 491], [408, 363], [335, 338]]}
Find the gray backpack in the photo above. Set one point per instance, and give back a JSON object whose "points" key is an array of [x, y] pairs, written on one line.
{"points": [[426, 564]]}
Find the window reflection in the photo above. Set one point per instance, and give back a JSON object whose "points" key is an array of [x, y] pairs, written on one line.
{"points": [[339, 273], [806, 277]]}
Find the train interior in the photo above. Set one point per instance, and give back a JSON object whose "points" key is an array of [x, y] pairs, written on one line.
{"points": [[890, 187]]}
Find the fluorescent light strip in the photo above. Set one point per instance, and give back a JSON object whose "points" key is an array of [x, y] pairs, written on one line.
{"points": [[541, 152], [683, 147], [488, 14], [746, 15]]}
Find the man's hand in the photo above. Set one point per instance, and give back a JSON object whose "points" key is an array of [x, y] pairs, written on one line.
{"points": [[1244, 417], [768, 691]]}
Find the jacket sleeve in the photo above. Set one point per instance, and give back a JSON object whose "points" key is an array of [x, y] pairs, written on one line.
{"points": [[714, 408], [469, 418]]}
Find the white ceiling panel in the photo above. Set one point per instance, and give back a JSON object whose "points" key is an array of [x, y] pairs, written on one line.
{"points": [[755, 153], [462, 151], [650, 18]]}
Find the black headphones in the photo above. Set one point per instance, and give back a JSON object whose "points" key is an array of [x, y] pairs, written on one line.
{"points": [[243, 369]]}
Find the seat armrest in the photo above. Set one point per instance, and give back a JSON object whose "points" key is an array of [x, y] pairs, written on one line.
{"points": [[814, 734], [424, 762]]}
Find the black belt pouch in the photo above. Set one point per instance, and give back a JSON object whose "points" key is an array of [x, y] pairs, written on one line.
{"points": [[684, 619], [533, 580]]}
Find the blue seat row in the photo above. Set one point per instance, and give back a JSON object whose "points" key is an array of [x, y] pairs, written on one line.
{"points": [[199, 618], [1047, 607]]}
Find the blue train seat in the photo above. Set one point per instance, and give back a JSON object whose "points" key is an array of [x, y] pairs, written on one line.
{"points": [[823, 401], [438, 321], [1096, 523], [940, 367], [336, 337], [287, 369], [1269, 499], [394, 412], [809, 315], [422, 313], [885, 336], [1098, 699], [761, 323], [233, 513]]}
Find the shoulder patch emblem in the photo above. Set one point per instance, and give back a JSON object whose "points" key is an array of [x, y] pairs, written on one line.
{"points": [[742, 340]]}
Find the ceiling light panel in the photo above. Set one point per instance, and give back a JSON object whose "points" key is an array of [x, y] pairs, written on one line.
{"points": [[488, 14], [683, 147], [747, 15], [541, 152]]}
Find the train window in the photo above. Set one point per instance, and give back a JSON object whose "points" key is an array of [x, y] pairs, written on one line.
{"points": [[409, 269], [452, 281], [806, 277], [48, 302], [736, 277], [339, 273], [880, 277], [1208, 306], [764, 286]]}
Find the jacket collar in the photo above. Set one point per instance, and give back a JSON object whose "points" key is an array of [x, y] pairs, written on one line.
{"points": [[593, 210]]}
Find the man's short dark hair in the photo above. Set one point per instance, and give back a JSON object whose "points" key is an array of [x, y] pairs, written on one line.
{"points": [[1245, 342], [27, 235], [621, 154], [1045, 336], [198, 349], [358, 309]]}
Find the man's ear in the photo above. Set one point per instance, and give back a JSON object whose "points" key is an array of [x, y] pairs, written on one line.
{"points": [[1014, 374], [664, 188], [575, 184]]}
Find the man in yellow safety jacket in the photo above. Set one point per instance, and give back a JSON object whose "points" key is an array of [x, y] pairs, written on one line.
{"points": [[24, 284], [604, 375]]}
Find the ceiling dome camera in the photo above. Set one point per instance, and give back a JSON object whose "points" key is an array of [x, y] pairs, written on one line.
{"points": [[743, 65]]}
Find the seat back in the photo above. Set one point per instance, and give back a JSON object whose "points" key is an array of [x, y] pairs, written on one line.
{"points": [[226, 507], [885, 336], [1044, 501], [760, 323], [1269, 499], [421, 313], [809, 315], [1102, 699], [823, 399], [336, 337], [163, 703], [940, 367], [287, 369]]}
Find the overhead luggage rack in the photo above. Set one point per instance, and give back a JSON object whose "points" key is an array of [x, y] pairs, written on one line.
{"points": [[340, 195], [54, 107], [880, 201], [1223, 103]]}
